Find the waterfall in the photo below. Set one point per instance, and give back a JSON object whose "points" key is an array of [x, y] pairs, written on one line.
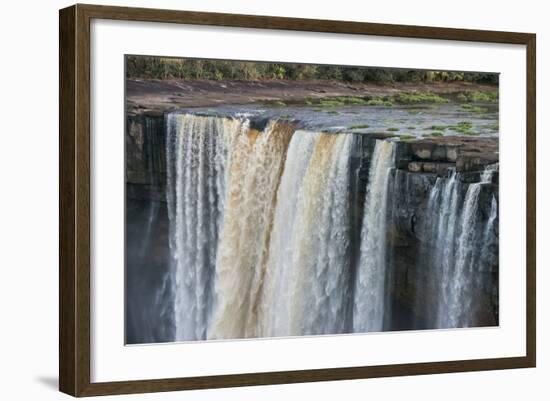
{"points": [[197, 154], [253, 179], [262, 223], [371, 272], [488, 171], [452, 256], [462, 280], [320, 285], [444, 245], [491, 222], [278, 295], [269, 255]]}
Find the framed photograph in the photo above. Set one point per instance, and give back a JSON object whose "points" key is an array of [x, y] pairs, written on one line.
{"points": [[250, 200]]}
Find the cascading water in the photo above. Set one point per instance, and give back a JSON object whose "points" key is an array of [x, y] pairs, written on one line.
{"points": [[320, 280], [368, 312], [488, 172], [462, 280], [453, 251], [262, 232], [197, 154], [279, 293], [444, 246], [253, 178]]}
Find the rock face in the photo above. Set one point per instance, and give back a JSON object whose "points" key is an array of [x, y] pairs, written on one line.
{"points": [[146, 156], [430, 178], [148, 314], [432, 185]]}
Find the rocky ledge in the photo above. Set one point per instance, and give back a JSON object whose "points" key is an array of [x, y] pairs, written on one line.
{"points": [[150, 95], [437, 155], [467, 155]]}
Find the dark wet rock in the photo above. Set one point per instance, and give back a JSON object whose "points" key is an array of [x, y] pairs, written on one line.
{"points": [[410, 236], [451, 153], [466, 154], [258, 123], [415, 167], [439, 168], [376, 135], [145, 150], [422, 150]]}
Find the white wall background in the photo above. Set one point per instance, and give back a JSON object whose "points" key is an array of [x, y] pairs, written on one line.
{"points": [[29, 185]]}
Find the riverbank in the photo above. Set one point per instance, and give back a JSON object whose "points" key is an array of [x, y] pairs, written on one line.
{"points": [[149, 95]]}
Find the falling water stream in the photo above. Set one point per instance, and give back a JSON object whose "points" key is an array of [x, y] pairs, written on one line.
{"points": [[457, 240], [260, 233], [368, 311], [197, 153]]}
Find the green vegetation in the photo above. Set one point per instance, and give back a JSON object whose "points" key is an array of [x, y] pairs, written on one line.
{"points": [[438, 127], [461, 97], [331, 103], [286, 117], [179, 68], [352, 100], [278, 103], [392, 129], [436, 134], [474, 109], [360, 126], [477, 109], [493, 127], [401, 98], [430, 99], [355, 101], [478, 96], [379, 101], [464, 128], [411, 127], [419, 97], [407, 137]]}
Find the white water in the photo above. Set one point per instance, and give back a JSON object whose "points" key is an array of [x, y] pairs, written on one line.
{"points": [[196, 150], [368, 312], [270, 254], [488, 171], [279, 293], [462, 279], [444, 247], [260, 232], [321, 256], [454, 251], [492, 218], [253, 178]]}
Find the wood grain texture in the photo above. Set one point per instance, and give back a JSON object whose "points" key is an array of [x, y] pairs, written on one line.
{"points": [[74, 199], [300, 24], [67, 131], [531, 230]]}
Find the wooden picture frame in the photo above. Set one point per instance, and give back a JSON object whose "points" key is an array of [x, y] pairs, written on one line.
{"points": [[74, 203]]}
